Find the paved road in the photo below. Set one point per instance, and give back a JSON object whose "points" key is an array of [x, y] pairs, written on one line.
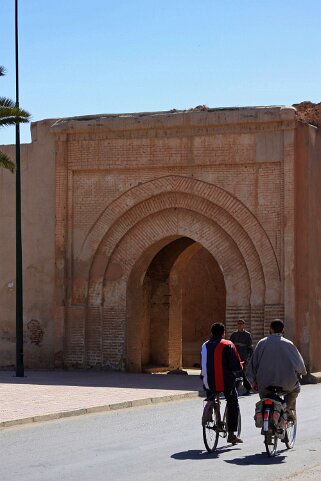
{"points": [[156, 443]]}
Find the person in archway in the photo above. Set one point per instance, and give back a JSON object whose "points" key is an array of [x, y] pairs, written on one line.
{"points": [[242, 340], [220, 362], [277, 362]]}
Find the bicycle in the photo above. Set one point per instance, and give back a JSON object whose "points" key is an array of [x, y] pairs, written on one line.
{"points": [[276, 424], [214, 425]]}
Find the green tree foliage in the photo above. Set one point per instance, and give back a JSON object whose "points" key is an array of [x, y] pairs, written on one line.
{"points": [[9, 115]]}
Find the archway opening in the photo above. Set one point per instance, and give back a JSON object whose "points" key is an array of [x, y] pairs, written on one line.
{"points": [[184, 293], [203, 301]]}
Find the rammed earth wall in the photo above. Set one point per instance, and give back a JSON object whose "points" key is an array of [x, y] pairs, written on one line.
{"points": [[146, 228]]}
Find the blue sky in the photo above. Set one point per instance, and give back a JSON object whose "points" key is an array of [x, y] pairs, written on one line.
{"points": [[82, 57]]}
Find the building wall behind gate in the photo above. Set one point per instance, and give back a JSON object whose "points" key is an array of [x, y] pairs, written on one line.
{"points": [[308, 239], [38, 181], [113, 191]]}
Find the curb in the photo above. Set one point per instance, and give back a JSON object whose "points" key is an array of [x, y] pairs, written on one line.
{"points": [[100, 409]]}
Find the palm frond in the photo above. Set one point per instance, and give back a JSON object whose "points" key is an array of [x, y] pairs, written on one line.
{"points": [[10, 114], [2, 71], [5, 121], [6, 163], [7, 103]]}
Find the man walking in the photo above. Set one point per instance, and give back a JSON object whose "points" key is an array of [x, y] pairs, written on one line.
{"points": [[220, 360], [242, 340], [277, 362]]}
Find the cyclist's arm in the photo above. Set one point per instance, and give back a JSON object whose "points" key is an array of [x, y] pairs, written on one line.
{"points": [[300, 369], [251, 370], [204, 365], [234, 359], [251, 377]]}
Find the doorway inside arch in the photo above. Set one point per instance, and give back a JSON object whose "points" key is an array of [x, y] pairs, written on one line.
{"points": [[184, 293]]}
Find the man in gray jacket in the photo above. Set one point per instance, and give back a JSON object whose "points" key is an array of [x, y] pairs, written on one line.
{"points": [[277, 362]]}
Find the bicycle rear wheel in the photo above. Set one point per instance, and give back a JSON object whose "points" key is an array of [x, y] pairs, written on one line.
{"points": [[290, 434], [211, 433], [271, 442]]}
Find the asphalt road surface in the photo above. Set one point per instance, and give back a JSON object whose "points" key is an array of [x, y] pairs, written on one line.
{"points": [[159, 442]]}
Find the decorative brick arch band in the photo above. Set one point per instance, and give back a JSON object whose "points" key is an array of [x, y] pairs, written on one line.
{"points": [[138, 224], [181, 223], [132, 206], [135, 250], [180, 184], [159, 203]]}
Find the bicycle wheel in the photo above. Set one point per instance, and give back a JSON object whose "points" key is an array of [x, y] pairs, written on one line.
{"points": [[271, 442], [211, 433], [290, 434]]}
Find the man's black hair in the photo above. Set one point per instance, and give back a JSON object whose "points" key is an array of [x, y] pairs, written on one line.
{"points": [[217, 329], [277, 326]]}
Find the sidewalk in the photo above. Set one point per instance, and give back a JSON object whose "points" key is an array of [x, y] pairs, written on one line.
{"points": [[47, 395]]}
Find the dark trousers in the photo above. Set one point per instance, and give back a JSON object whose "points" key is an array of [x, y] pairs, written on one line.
{"points": [[232, 408]]}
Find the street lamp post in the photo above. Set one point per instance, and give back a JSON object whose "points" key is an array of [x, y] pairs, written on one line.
{"points": [[19, 284]]}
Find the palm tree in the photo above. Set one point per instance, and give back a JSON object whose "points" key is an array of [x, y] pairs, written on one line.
{"points": [[10, 115]]}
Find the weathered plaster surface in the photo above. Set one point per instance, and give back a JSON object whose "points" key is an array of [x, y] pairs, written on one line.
{"points": [[308, 241], [38, 227], [105, 195]]}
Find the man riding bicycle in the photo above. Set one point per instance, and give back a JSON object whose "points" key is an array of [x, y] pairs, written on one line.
{"points": [[277, 362], [220, 361]]}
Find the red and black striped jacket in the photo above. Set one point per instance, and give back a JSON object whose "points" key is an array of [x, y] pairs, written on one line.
{"points": [[220, 360]]}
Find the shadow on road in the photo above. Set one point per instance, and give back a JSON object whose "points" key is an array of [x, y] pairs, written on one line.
{"points": [[261, 459], [196, 454], [115, 379]]}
